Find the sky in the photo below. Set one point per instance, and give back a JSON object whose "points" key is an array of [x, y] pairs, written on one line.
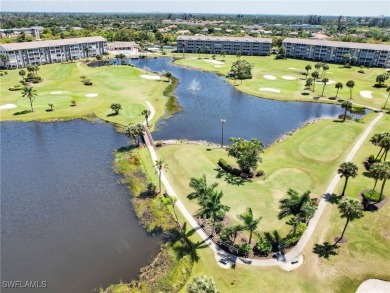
{"points": [[286, 7]]}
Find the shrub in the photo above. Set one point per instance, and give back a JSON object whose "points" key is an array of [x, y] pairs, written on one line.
{"points": [[260, 173], [375, 196], [73, 103], [361, 71], [263, 247], [152, 189], [236, 172], [16, 88], [158, 144], [37, 79], [243, 249], [218, 227], [87, 82], [292, 238], [1, 73], [224, 165]]}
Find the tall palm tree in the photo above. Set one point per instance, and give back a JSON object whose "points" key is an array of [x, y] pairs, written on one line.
{"points": [[140, 128], [385, 145], [199, 50], [22, 73], [351, 209], [131, 131], [168, 75], [146, 113], [347, 105], [388, 96], [315, 76], [250, 223], [86, 50], [184, 48], [376, 139], [377, 172], [201, 284], [160, 165], [238, 54], [318, 66], [4, 58], [36, 69], [222, 54], [350, 84], [30, 93], [200, 187], [213, 208], [338, 86], [296, 205], [325, 67], [307, 68], [385, 177], [324, 81], [169, 200], [347, 169]]}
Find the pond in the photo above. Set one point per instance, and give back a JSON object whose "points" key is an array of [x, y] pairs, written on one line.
{"points": [[65, 219]]}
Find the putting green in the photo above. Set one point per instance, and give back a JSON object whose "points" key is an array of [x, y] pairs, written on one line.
{"points": [[288, 178]]}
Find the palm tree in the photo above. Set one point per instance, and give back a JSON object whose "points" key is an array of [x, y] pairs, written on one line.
{"points": [[160, 165], [307, 68], [116, 107], [388, 96], [315, 75], [376, 139], [146, 113], [22, 73], [325, 67], [318, 66], [347, 169], [213, 208], [324, 81], [347, 105], [169, 200], [86, 50], [30, 93], [184, 47], [385, 177], [238, 54], [297, 205], [199, 50], [385, 145], [350, 84], [338, 86], [168, 75], [131, 131], [202, 284], [140, 128], [250, 223], [232, 231], [36, 69], [222, 54], [207, 50], [4, 58], [350, 209], [377, 172]]}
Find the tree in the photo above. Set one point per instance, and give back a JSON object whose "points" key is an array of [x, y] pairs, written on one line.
{"points": [[385, 175], [36, 69], [381, 78], [242, 69], [202, 284], [199, 50], [385, 146], [250, 223], [350, 84], [184, 48], [325, 67], [347, 105], [388, 96], [246, 152], [146, 113], [309, 82], [168, 75], [324, 81], [116, 107], [315, 76], [160, 165], [87, 50], [347, 169], [169, 200], [22, 73], [131, 131], [140, 129], [222, 54], [377, 172], [238, 54], [307, 68], [351, 209], [318, 66], [207, 50], [347, 58], [376, 139], [30, 93], [230, 233], [213, 208], [296, 205], [338, 86], [4, 58]]}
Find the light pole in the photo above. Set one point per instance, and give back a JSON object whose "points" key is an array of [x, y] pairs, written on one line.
{"points": [[222, 123]]}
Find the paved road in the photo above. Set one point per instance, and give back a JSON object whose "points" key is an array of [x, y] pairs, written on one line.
{"points": [[296, 253]]}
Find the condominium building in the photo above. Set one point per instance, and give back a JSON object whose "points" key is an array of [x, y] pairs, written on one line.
{"points": [[33, 31], [229, 45], [120, 46], [331, 51], [43, 52]]}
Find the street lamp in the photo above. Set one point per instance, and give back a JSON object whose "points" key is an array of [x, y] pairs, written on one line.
{"points": [[222, 123]]}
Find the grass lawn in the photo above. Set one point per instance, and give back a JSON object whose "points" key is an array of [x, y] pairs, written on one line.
{"points": [[121, 84], [292, 89], [305, 161]]}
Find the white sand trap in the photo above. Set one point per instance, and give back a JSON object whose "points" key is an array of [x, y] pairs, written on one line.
{"points": [[270, 77], [329, 82], [7, 106], [293, 68], [366, 94], [214, 62], [287, 77], [154, 77], [56, 93], [374, 286], [218, 66], [92, 95], [269, 89]]}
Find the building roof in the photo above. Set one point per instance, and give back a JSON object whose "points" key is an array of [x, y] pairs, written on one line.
{"points": [[223, 38], [382, 47], [51, 43], [122, 44]]}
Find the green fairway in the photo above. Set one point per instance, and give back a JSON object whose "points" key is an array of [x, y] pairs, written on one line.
{"points": [[62, 84], [291, 90], [305, 161]]}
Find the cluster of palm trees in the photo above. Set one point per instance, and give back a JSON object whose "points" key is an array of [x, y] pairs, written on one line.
{"points": [[318, 74], [120, 57], [135, 132]]}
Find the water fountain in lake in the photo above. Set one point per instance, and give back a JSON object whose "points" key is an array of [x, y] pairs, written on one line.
{"points": [[194, 86]]}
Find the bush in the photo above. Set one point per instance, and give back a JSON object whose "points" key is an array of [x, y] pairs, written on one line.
{"points": [[37, 79], [16, 88], [375, 196], [1, 73], [243, 249], [73, 103], [236, 172], [263, 247], [361, 71], [158, 144], [224, 165], [292, 238], [260, 173], [152, 189], [87, 82], [218, 227]]}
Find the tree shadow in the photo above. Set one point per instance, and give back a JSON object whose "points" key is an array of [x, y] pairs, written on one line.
{"points": [[367, 174], [22, 112], [333, 198], [126, 148], [229, 178], [112, 114], [325, 250]]}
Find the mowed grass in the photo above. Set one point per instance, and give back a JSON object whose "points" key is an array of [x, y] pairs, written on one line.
{"points": [[305, 161], [121, 84], [291, 90]]}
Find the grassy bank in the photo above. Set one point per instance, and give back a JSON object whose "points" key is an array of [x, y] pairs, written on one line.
{"points": [[62, 84], [172, 105], [291, 90], [170, 269]]}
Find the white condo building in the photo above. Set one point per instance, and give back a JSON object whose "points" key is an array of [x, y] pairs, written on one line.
{"points": [[44, 52], [331, 51]]}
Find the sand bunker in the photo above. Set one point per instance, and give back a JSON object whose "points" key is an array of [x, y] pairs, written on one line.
{"points": [[292, 68], [269, 89], [287, 77], [7, 106], [329, 82], [366, 94], [270, 77], [373, 285], [218, 66], [56, 93], [214, 61], [92, 95], [154, 77]]}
